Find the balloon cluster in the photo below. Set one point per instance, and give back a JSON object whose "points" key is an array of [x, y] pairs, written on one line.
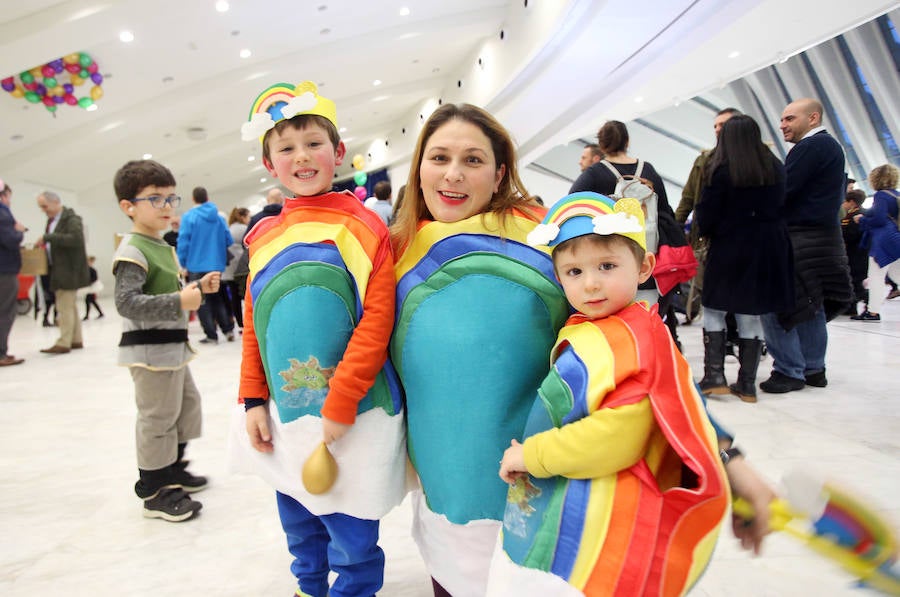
{"points": [[359, 177], [54, 83]]}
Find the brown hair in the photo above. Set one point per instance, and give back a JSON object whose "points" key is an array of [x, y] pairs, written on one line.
{"points": [[382, 190], [137, 175], [300, 122], [236, 214], [510, 194], [613, 137], [883, 177]]}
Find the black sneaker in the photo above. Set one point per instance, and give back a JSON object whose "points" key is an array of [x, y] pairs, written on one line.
{"points": [[867, 316], [208, 340], [779, 383], [182, 478], [172, 504], [817, 380]]}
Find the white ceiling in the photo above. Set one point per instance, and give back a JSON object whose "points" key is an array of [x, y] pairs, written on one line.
{"points": [[559, 71]]}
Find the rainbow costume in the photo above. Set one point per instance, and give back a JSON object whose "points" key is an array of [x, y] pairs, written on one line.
{"points": [[645, 493], [477, 311]]}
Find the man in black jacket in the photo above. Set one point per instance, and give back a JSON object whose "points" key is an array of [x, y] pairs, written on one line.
{"points": [[816, 182]]}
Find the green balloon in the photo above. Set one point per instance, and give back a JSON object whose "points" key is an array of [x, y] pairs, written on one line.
{"points": [[85, 102], [49, 82], [360, 178], [84, 74], [27, 77], [51, 108], [32, 97], [84, 60]]}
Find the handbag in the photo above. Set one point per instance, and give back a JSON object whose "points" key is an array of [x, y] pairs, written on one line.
{"points": [[675, 259]]}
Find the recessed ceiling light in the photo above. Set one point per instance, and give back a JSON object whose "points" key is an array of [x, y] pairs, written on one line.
{"points": [[147, 156], [639, 99], [376, 82], [380, 98], [250, 158], [404, 12], [222, 6], [262, 180], [734, 54], [126, 36], [343, 129], [245, 53], [91, 108]]}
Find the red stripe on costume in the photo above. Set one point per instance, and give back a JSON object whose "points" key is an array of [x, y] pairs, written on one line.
{"points": [[626, 501]]}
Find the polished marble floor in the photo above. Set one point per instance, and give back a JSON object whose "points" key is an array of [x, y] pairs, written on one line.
{"points": [[71, 524]]}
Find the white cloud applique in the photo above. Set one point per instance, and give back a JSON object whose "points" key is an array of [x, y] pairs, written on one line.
{"points": [[300, 104], [616, 223], [542, 235], [257, 126]]}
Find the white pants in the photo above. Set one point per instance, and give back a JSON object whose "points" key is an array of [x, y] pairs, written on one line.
{"points": [[877, 287]]}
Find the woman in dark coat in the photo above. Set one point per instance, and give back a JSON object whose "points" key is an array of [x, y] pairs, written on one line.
{"points": [[749, 267]]}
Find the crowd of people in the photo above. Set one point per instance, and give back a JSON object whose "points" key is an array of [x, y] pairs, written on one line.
{"points": [[349, 317]]}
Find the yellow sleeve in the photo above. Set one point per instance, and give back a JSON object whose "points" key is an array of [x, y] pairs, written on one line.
{"points": [[602, 444]]}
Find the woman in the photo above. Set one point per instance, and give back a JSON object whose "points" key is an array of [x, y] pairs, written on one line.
{"points": [[601, 178], [749, 267], [882, 236], [477, 312], [232, 295]]}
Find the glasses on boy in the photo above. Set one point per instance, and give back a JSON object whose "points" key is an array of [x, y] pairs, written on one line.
{"points": [[158, 201]]}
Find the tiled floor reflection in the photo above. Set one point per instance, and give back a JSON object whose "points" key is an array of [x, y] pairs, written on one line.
{"points": [[72, 525]]}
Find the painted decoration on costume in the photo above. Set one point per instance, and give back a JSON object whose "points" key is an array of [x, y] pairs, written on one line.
{"points": [[477, 314]]}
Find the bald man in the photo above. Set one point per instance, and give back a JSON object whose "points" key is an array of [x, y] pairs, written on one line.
{"points": [[816, 182], [67, 257]]}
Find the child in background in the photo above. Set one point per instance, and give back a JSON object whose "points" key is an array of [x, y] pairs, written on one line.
{"points": [[90, 299], [318, 315], [618, 487], [154, 345], [857, 255]]}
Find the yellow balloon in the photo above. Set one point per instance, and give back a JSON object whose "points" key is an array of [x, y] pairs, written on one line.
{"points": [[36, 73], [96, 92], [76, 80], [58, 90], [17, 92], [358, 161], [71, 59]]}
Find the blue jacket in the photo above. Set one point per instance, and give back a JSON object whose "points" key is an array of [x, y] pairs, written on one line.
{"points": [[880, 231], [203, 239], [10, 239]]}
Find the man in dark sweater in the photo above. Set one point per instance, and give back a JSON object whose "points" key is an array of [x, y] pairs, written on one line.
{"points": [[816, 182], [11, 233]]}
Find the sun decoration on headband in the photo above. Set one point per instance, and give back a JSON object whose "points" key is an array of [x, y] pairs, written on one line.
{"points": [[590, 213], [282, 101]]}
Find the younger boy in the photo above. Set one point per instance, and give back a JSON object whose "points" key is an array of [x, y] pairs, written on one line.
{"points": [[618, 488], [857, 255], [154, 345], [319, 311]]}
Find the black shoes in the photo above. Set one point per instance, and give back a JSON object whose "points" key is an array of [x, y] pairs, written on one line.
{"points": [[866, 316], [185, 480], [779, 383], [817, 380], [172, 504], [208, 340]]}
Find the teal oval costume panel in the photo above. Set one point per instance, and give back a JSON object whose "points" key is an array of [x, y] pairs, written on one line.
{"points": [[477, 317], [299, 353]]}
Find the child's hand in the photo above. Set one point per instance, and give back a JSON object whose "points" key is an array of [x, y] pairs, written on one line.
{"points": [[209, 283], [513, 464], [258, 429], [332, 430], [191, 297]]}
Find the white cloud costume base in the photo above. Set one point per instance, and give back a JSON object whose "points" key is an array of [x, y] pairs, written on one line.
{"points": [[371, 461]]}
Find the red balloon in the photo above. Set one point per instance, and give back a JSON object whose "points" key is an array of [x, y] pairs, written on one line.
{"points": [[30, 86], [47, 70], [92, 67], [73, 68], [8, 81], [48, 101], [71, 100]]}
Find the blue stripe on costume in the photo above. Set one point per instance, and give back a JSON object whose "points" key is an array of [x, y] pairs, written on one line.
{"points": [[571, 527], [573, 370]]}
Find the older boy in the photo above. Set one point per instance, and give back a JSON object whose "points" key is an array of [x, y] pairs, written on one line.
{"points": [[154, 344], [626, 491], [318, 316]]}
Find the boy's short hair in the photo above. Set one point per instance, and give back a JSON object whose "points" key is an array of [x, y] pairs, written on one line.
{"points": [[856, 196], [136, 175], [602, 240], [300, 122], [382, 190]]}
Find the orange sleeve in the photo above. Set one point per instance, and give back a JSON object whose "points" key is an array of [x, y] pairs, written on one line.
{"points": [[253, 376], [367, 349]]}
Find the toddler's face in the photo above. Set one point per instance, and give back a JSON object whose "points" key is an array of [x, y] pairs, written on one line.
{"points": [[304, 159], [601, 280]]}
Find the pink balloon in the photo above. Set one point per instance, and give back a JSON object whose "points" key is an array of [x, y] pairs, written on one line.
{"points": [[360, 193]]}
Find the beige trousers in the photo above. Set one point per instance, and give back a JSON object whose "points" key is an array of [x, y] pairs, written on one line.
{"points": [[69, 320]]}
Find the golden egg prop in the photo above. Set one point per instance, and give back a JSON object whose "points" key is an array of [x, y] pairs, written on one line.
{"points": [[319, 471]]}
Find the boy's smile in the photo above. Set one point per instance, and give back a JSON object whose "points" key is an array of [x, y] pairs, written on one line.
{"points": [[304, 159]]}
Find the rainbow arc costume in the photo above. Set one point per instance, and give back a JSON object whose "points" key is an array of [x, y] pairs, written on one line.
{"points": [[478, 310], [644, 496]]}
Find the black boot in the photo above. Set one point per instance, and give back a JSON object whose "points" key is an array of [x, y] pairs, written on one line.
{"points": [[750, 352], [713, 381]]}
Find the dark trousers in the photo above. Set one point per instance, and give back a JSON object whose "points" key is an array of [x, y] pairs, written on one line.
{"points": [[212, 311], [9, 292], [235, 298], [89, 300]]}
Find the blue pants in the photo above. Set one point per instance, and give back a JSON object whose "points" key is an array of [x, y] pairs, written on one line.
{"points": [[338, 542], [748, 326], [799, 351]]}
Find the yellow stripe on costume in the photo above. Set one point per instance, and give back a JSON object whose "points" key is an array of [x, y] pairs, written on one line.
{"points": [[316, 232], [517, 229]]}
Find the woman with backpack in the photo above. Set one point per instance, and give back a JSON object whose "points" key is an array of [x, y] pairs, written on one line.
{"points": [[617, 173], [882, 236], [749, 264]]}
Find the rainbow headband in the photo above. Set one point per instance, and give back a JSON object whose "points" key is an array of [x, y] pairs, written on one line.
{"points": [[282, 101], [584, 213]]}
